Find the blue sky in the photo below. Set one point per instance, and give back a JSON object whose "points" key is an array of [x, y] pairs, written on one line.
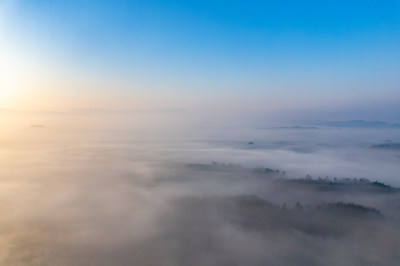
{"points": [[301, 53]]}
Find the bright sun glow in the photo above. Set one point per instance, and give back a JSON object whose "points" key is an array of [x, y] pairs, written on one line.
{"points": [[11, 67], [10, 79]]}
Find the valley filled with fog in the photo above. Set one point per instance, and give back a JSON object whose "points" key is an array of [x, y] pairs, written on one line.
{"points": [[82, 189]]}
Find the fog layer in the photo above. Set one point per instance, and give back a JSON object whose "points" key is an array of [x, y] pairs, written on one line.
{"points": [[146, 192]]}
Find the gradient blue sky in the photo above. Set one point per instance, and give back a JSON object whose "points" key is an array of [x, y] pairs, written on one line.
{"points": [[268, 54]]}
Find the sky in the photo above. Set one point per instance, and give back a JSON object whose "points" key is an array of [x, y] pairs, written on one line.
{"points": [[238, 55]]}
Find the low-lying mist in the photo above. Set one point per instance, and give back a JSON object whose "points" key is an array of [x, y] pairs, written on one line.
{"points": [[159, 190]]}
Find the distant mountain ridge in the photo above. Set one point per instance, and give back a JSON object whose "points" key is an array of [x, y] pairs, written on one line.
{"points": [[359, 124], [294, 127], [387, 146]]}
